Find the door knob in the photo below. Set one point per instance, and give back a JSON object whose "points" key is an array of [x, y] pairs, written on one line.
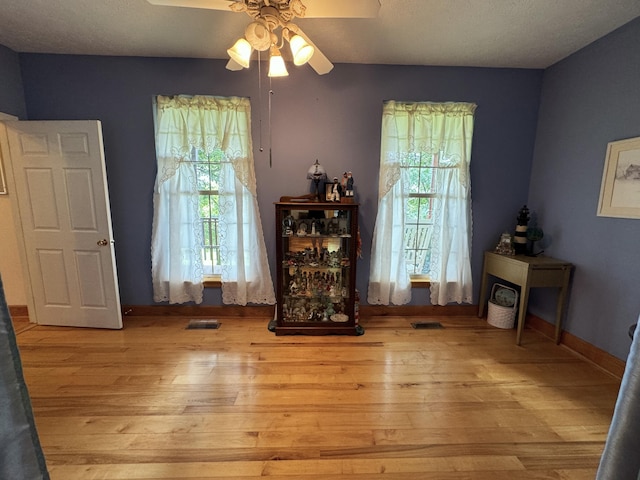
{"points": [[103, 243]]}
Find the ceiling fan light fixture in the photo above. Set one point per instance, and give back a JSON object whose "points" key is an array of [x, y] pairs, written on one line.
{"points": [[277, 68], [241, 52], [259, 34], [301, 50]]}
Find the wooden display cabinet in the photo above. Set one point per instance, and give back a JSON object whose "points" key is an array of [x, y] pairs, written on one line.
{"points": [[316, 247]]}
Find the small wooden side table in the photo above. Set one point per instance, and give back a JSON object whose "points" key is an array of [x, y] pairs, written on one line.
{"points": [[527, 272]]}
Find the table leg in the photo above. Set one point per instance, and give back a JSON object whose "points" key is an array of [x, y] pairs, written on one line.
{"points": [[522, 310], [483, 291], [562, 297]]}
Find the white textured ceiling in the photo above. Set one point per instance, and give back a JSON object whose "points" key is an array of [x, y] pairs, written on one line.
{"points": [[487, 33]]}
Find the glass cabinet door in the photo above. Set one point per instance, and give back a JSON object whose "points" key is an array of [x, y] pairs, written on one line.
{"points": [[316, 268]]}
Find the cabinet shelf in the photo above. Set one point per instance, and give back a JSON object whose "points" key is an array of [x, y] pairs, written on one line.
{"points": [[317, 274], [314, 267], [295, 235], [333, 298]]}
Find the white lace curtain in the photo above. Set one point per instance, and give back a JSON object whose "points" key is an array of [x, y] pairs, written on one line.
{"points": [[444, 129], [206, 123]]}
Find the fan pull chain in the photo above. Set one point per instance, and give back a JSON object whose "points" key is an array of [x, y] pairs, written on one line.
{"points": [[270, 136], [260, 100]]}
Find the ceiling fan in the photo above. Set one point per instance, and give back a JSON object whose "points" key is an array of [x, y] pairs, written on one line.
{"points": [[271, 15]]}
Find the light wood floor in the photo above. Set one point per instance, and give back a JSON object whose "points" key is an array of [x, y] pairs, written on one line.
{"points": [[156, 401]]}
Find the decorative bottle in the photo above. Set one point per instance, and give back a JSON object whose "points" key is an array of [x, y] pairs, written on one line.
{"points": [[520, 236]]}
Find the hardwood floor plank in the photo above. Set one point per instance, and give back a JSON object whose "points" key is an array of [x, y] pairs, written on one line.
{"points": [[211, 423], [155, 401], [521, 475]]}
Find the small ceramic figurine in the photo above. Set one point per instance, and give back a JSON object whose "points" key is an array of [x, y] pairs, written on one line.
{"points": [[336, 191], [289, 225], [343, 182], [349, 191]]}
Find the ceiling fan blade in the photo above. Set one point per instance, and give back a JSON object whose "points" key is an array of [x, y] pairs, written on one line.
{"points": [[315, 8], [233, 65], [342, 8], [319, 62], [208, 4]]}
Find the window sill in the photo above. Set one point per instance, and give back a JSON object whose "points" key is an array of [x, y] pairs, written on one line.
{"points": [[420, 282], [213, 281]]}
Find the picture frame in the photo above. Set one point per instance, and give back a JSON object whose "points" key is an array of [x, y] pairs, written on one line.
{"points": [[3, 182], [3, 179], [620, 187], [327, 195]]}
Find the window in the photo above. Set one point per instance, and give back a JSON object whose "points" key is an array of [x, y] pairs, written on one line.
{"points": [[207, 168], [423, 223], [206, 219], [418, 211]]}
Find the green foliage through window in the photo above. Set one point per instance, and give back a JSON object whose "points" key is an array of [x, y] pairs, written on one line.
{"points": [[207, 167], [421, 171]]}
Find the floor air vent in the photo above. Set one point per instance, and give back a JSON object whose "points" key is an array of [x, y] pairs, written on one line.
{"points": [[203, 324], [426, 325]]}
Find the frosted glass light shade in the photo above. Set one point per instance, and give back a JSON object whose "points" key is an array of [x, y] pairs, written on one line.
{"points": [[241, 52], [301, 50], [277, 67], [317, 172]]}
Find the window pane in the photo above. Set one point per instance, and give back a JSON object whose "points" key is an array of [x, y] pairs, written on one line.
{"points": [[412, 159], [426, 183], [418, 229], [427, 160], [420, 175], [208, 167], [210, 247], [413, 178], [410, 234], [205, 209], [202, 176], [411, 210], [424, 210]]}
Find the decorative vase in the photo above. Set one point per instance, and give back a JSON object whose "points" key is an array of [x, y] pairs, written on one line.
{"points": [[520, 236]]}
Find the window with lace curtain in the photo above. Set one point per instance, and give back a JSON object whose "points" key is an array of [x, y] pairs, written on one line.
{"points": [[423, 223], [206, 218]]}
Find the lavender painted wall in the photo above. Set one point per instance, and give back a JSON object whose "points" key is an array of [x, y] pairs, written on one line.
{"points": [[588, 100], [335, 118], [11, 92]]}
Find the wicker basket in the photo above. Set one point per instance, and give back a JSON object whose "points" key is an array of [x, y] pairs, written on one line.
{"points": [[502, 316]]}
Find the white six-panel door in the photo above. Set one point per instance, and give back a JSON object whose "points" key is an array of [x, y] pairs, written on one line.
{"points": [[58, 173]]}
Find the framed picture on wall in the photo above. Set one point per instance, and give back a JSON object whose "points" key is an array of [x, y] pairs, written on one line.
{"points": [[620, 189], [3, 179]]}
